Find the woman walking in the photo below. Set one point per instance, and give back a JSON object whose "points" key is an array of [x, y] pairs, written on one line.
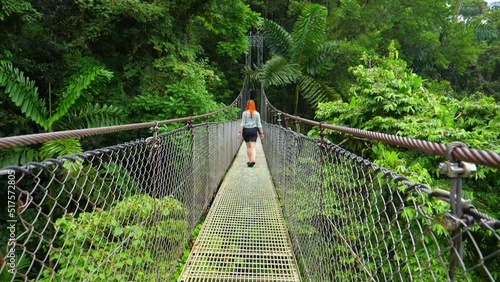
{"points": [[250, 126]]}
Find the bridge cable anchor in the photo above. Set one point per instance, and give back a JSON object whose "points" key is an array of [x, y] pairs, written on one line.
{"points": [[456, 170], [153, 140]]}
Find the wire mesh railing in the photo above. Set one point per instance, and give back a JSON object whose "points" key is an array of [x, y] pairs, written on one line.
{"points": [[351, 220], [120, 213]]}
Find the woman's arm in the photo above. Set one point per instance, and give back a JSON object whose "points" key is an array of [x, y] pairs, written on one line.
{"points": [[243, 120], [259, 125]]}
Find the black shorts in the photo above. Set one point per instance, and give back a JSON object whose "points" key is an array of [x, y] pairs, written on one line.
{"points": [[250, 134]]}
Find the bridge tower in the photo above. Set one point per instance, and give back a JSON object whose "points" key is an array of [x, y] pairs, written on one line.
{"points": [[254, 90]]}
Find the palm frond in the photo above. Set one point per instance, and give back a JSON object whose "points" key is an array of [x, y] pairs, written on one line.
{"points": [[21, 267], [63, 147], [276, 38], [91, 115], [252, 73], [309, 32], [278, 71], [314, 91], [484, 31], [23, 93], [77, 85], [319, 57], [469, 12], [59, 148], [17, 156]]}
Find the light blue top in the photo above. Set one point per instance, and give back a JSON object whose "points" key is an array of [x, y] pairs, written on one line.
{"points": [[250, 122]]}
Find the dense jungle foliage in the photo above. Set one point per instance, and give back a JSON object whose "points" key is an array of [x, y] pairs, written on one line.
{"points": [[426, 69]]}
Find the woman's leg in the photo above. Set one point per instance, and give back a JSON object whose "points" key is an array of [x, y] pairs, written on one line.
{"points": [[253, 151], [249, 150]]}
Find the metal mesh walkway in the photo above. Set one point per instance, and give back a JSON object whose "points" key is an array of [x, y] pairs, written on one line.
{"points": [[244, 236]]}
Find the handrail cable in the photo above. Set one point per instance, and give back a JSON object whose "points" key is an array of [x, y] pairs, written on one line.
{"points": [[483, 157], [30, 139]]}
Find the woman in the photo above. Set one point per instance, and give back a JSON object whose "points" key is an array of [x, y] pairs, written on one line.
{"points": [[250, 125]]}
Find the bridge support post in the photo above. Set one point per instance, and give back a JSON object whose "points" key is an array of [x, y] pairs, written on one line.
{"points": [[191, 180], [322, 187], [456, 170], [153, 144], [297, 126], [208, 195]]}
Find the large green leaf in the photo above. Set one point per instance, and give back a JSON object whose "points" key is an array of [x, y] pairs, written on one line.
{"points": [[485, 31], [314, 91], [59, 148], [64, 147], [279, 71], [76, 86], [17, 156], [276, 38], [23, 93], [319, 57], [91, 115], [309, 32]]}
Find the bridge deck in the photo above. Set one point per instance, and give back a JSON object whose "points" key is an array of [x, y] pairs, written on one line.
{"points": [[244, 236]]}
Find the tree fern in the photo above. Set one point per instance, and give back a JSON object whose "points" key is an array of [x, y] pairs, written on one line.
{"points": [[276, 38], [91, 115], [23, 93], [279, 71], [297, 55], [77, 85]]}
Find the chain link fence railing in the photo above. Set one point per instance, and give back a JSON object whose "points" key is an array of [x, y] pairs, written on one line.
{"points": [[120, 213], [350, 220]]}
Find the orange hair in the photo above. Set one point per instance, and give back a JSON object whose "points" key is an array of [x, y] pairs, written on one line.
{"points": [[250, 107]]}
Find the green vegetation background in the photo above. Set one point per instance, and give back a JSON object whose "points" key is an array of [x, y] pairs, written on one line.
{"points": [[424, 69]]}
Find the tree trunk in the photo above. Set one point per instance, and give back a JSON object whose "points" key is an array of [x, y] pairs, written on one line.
{"points": [[295, 112]]}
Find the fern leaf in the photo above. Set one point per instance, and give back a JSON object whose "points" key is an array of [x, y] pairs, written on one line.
{"points": [[59, 148], [485, 31], [76, 87], [279, 71], [23, 93], [91, 115], [314, 91], [309, 32], [17, 156], [276, 38], [64, 147]]}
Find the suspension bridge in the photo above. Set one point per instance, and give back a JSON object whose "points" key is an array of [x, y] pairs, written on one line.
{"points": [[309, 210]]}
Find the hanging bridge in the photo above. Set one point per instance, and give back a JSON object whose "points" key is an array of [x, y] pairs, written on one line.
{"points": [[309, 210]]}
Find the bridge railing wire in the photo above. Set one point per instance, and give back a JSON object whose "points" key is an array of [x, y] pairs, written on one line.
{"points": [[30, 139], [119, 213], [351, 220]]}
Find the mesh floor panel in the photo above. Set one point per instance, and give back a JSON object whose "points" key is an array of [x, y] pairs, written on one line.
{"points": [[244, 236]]}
